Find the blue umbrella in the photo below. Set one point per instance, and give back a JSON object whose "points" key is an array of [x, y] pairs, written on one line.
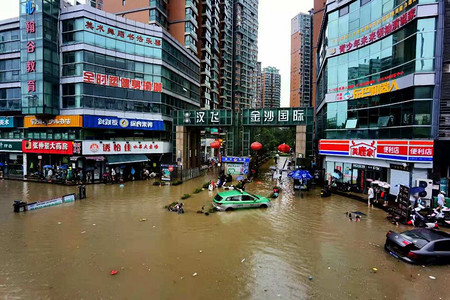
{"points": [[47, 167], [300, 174], [416, 189], [336, 175], [2, 164], [240, 178], [63, 167]]}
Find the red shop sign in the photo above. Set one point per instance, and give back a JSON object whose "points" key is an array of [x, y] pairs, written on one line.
{"points": [[48, 147]]}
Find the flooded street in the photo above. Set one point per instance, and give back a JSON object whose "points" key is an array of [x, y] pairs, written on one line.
{"points": [[303, 247]]}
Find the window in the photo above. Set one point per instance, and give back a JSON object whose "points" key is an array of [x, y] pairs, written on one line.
{"points": [[442, 246], [351, 123], [343, 11], [234, 199], [123, 2], [363, 2], [247, 198]]}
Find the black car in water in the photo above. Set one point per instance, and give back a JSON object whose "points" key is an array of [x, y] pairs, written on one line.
{"points": [[419, 246]]}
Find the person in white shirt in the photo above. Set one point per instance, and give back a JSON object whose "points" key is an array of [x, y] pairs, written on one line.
{"points": [[441, 199], [370, 197]]}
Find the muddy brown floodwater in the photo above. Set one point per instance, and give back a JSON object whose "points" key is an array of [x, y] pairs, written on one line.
{"points": [[303, 247]]}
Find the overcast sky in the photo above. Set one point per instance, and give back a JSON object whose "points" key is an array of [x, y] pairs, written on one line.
{"points": [[274, 36]]}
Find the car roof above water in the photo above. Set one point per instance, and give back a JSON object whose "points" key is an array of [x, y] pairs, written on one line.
{"points": [[429, 234], [231, 193]]}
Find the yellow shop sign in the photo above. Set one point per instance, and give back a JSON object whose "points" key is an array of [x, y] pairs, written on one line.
{"points": [[374, 90], [58, 121]]}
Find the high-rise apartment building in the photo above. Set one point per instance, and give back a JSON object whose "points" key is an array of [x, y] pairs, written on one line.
{"points": [[301, 60], [222, 33], [259, 86], [271, 92]]}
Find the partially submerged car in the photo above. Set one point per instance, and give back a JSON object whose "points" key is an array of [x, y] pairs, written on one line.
{"points": [[419, 246], [230, 200]]}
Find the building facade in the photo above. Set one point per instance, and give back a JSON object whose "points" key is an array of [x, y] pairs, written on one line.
{"points": [[222, 33], [301, 60], [271, 87], [88, 90], [378, 90], [318, 12], [259, 86]]}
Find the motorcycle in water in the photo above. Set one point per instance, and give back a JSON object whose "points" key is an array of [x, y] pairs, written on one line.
{"points": [[325, 192], [418, 219]]}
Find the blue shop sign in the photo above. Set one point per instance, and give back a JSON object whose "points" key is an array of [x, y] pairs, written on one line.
{"points": [[234, 159], [6, 122], [121, 123]]}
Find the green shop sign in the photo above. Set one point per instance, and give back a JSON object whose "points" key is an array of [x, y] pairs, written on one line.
{"points": [[11, 145], [219, 117], [277, 116]]}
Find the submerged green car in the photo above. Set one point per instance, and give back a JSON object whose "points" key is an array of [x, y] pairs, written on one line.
{"points": [[231, 200]]}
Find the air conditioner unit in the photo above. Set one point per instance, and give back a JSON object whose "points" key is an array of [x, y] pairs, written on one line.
{"points": [[427, 184]]}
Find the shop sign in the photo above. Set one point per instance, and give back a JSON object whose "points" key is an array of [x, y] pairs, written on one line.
{"points": [[122, 82], [11, 145], [400, 150], [6, 122], [369, 91], [365, 83], [166, 171], [47, 147], [123, 147], [234, 159], [237, 169], [121, 123], [375, 35], [204, 117], [275, 116], [58, 121], [372, 26], [406, 168], [123, 35], [64, 199]]}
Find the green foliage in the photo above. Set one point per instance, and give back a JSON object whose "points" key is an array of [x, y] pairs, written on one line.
{"points": [[185, 196], [177, 182], [271, 137], [197, 191]]}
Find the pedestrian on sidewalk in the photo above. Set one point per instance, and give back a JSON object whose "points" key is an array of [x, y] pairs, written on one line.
{"points": [[370, 197]]}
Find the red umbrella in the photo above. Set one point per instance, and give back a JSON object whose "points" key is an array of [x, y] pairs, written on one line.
{"points": [[284, 148], [256, 146]]}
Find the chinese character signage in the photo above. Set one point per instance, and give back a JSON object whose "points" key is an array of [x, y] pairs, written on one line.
{"points": [[276, 116], [363, 84], [120, 34], [121, 123], [6, 122], [369, 91], [237, 169], [47, 147], [400, 150], [58, 121], [122, 82], [11, 145], [204, 117], [375, 35], [123, 147], [234, 159]]}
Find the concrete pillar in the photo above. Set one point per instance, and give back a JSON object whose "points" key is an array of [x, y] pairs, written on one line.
{"points": [[181, 146], [300, 140], [24, 165]]}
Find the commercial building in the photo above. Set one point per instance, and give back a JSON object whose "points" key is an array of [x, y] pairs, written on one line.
{"points": [[222, 33], [301, 60], [379, 90], [271, 87], [318, 12], [89, 90]]}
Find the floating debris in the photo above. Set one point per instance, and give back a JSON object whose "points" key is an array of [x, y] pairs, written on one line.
{"points": [[374, 270], [84, 231], [310, 278], [242, 260], [114, 272], [195, 274], [142, 219], [432, 277]]}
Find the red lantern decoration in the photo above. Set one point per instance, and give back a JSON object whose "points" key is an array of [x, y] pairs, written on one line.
{"points": [[256, 146], [215, 145], [170, 169], [284, 148]]}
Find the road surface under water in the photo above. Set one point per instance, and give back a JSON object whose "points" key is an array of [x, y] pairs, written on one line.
{"points": [[303, 247]]}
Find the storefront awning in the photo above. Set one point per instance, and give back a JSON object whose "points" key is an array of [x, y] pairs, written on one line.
{"points": [[126, 159]]}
